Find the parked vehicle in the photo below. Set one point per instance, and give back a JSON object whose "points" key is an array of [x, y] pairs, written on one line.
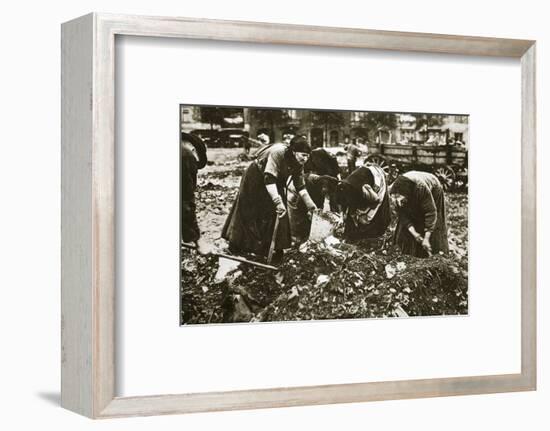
{"points": [[230, 138], [221, 138], [209, 136], [448, 162]]}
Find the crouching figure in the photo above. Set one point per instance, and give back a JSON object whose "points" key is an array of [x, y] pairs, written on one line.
{"points": [[422, 222], [364, 201]]}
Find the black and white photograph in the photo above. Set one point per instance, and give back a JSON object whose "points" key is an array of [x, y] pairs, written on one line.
{"points": [[291, 214]]}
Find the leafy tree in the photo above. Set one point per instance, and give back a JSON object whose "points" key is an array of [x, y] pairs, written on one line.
{"points": [[428, 120], [326, 119], [377, 120], [270, 118], [361, 132], [374, 121], [214, 115]]}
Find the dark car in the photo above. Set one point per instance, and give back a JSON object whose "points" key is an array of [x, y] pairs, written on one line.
{"points": [[209, 137], [231, 138]]}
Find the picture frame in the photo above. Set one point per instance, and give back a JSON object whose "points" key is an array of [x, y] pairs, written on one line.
{"points": [[89, 201]]}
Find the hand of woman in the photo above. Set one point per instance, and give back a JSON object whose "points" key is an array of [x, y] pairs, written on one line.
{"points": [[280, 209], [310, 205], [417, 237], [427, 246], [369, 194]]}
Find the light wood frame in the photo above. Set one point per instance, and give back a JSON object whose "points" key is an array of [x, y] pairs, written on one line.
{"points": [[88, 215]]}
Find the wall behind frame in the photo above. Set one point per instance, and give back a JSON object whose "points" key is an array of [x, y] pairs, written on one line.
{"points": [[30, 229]]}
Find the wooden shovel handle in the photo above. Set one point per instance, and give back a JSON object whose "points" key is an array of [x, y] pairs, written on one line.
{"points": [[236, 258], [273, 239]]}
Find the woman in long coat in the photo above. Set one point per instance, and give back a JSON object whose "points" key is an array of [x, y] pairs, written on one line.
{"points": [[422, 224], [363, 197], [262, 197]]}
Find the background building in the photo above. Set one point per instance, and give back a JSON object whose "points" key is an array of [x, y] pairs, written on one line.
{"points": [[324, 128]]}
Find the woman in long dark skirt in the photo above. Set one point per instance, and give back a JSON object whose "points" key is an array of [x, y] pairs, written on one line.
{"points": [[262, 197], [363, 197], [422, 224]]}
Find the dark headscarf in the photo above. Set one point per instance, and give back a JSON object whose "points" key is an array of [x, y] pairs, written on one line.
{"points": [[403, 186], [350, 191], [199, 146], [300, 144], [321, 162], [346, 194]]}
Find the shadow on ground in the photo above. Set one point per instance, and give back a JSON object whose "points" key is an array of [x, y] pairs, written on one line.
{"points": [[53, 398]]}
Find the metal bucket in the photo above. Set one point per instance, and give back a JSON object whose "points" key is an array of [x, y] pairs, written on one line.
{"points": [[323, 225]]}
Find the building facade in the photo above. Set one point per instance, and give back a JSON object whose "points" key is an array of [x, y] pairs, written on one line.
{"points": [[327, 128]]}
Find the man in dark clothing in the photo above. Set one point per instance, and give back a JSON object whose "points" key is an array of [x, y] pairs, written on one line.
{"points": [[192, 158], [246, 144], [353, 152]]}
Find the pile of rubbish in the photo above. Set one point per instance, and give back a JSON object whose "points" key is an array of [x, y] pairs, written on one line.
{"points": [[325, 280]]}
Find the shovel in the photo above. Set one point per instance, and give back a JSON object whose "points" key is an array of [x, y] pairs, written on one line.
{"points": [[273, 240], [235, 258]]}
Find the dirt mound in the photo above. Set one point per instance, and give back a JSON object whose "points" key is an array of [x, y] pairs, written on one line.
{"points": [[322, 281], [352, 284]]}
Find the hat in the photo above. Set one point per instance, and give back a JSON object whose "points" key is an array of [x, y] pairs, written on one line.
{"points": [[288, 135], [300, 144], [199, 146]]}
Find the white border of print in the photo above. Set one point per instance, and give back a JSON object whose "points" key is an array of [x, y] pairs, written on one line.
{"points": [[153, 77]]}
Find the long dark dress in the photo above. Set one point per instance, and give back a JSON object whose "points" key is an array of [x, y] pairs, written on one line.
{"points": [[250, 223], [364, 218], [424, 209]]}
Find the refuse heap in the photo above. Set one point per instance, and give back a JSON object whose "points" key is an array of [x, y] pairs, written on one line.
{"points": [[327, 280]]}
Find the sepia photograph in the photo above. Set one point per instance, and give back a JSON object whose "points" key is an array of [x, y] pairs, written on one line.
{"points": [[290, 214]]}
